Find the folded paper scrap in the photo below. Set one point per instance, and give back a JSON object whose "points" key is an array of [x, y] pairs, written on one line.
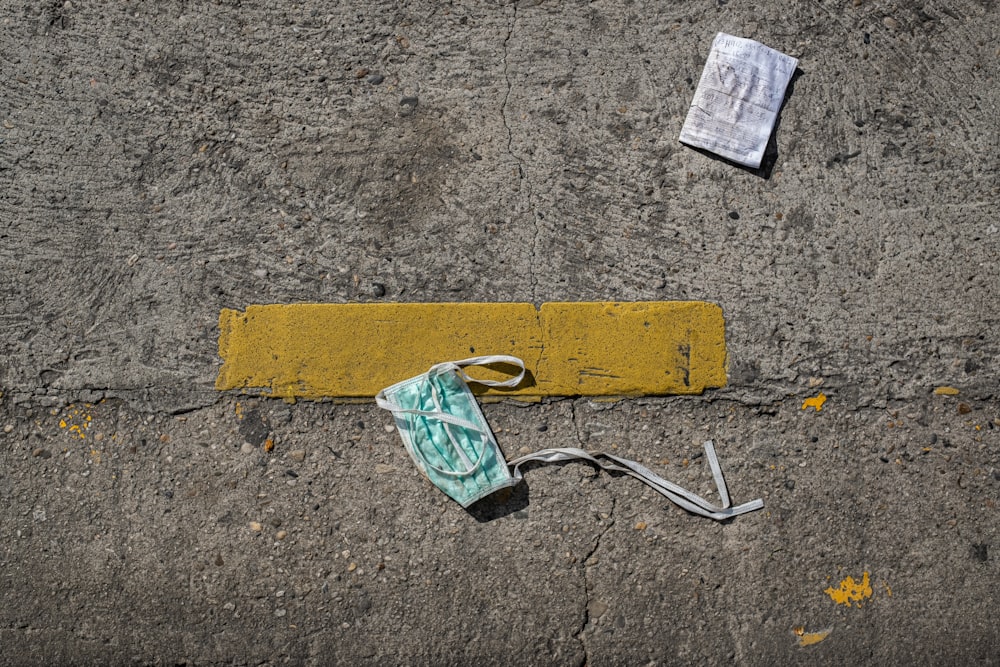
{"points": [[737, 99], [447, 436]]}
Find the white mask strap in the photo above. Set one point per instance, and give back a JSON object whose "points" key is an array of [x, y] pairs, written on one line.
{"points": [[677, 495], [483, 361]]}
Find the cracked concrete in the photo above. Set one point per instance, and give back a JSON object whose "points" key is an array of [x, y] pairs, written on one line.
{"points": [[593, 609], [523, 171], [163, 161]]}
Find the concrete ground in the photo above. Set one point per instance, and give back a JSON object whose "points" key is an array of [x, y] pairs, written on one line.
{"points": [[163, 161]]}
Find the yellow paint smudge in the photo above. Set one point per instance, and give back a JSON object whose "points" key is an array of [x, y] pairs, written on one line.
{"points": [[815, 402], [851, 591], [946, 391], [810, 638]]}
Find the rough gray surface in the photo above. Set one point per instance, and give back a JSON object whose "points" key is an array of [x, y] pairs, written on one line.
{"points": [[160, 161]]}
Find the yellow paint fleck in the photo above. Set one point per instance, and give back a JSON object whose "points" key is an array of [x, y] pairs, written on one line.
{"points": [[851, 591], [888, 590], [75, 421], [946, 391], [810, 638], [570, 349], [815, 402]]}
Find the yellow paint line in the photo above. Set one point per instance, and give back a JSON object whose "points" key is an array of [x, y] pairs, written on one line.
{"points": [[570, 349]]}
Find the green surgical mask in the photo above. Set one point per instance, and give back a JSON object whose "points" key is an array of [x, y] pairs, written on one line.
{"points": [[445, 432], [446, 435]]}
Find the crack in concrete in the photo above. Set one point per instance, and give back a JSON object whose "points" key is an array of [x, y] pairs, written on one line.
{"points": [[580, 634], [522, 172], [576, 426], [506, 97], [156, 398]]}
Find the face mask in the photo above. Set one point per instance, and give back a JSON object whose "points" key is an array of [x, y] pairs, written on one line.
{"points": [[444, 430], [446, 435]]}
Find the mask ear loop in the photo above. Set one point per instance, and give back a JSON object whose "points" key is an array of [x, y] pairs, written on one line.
{"points": [[486, 360], [676, 494]]}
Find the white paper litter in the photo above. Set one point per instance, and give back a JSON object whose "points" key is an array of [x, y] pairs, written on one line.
{"points": [[737, 99]]}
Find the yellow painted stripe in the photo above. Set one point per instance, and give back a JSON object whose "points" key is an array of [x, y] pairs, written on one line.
{"points": [[570, 349]]}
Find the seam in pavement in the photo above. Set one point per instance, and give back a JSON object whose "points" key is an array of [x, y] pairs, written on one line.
{"points": [[522, 172], [580, 635]]}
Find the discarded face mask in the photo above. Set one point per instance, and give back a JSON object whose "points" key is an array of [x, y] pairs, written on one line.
{"points": [[445, 432], [446, 435]]}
